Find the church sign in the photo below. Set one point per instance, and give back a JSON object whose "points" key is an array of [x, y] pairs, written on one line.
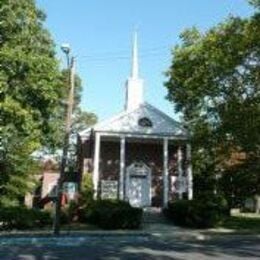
{"points": [[109, 189], [179, 184]]}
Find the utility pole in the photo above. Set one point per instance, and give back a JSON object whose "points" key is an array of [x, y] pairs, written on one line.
{"points": [[71, 71]]}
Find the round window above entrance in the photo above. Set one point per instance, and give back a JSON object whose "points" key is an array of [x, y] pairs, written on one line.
{"points": [[145, 122]]}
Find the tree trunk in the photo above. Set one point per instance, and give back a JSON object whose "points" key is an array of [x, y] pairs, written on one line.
{"points": [[257, 204]]}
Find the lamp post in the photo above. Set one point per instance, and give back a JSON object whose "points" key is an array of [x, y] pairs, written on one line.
{"points": [[66, 49], [71, 70]]}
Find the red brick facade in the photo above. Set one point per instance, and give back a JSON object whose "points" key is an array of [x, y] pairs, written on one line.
{"points": [[151, 153]]}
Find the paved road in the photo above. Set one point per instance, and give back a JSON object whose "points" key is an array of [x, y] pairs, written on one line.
{"points": [[130, 247]]}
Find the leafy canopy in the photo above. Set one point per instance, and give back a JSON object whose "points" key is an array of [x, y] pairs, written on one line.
{"points": [[30, 93], [214, 81]]}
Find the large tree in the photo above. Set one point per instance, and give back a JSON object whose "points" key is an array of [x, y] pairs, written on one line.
{"points": [[33, 96], [30, 92], [214, 81]]}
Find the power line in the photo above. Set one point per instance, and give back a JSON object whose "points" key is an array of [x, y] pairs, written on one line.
{"points": [[121, 55]]}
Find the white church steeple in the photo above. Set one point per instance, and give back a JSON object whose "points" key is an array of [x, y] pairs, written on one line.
{"points": [[135, 68], [134, 85]]}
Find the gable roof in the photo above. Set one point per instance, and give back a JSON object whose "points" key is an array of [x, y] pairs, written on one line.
{"points": [[127, 122]]}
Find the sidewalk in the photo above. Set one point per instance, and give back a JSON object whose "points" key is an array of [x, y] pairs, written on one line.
{"points": [[163, 231]]}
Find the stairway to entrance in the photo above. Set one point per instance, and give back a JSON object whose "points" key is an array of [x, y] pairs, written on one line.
{"points": [[153, 215], [156, 223]]}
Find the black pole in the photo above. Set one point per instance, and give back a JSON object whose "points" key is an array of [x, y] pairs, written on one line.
{"points": [[71, 69]]}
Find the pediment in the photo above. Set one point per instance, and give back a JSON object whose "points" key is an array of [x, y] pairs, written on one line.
{"points": [[146, 119]]}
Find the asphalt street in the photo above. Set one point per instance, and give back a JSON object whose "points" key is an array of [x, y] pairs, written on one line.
{"points": [[129, 247]]}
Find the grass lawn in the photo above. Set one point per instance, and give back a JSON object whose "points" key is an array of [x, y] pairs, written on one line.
{"points": [[79, 227], [243, 222]]}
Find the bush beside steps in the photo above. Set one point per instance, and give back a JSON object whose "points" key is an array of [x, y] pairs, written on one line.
{"points": [[113, 214], [21, 218], [198, 213]]}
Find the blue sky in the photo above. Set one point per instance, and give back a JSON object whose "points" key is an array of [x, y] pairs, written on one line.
{"points": [[100, 34]]}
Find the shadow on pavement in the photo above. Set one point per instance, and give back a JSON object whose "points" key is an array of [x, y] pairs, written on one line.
{"points": [[135, 248]]}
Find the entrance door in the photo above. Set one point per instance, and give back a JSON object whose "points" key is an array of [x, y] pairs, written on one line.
{"points": [[138, 185]]}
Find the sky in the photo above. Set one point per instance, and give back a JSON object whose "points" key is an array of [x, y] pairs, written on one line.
{"points": [[100, 35]]}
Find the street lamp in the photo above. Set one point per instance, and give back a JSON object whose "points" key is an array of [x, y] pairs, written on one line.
{"points": [[71, 71], [65, 47]]}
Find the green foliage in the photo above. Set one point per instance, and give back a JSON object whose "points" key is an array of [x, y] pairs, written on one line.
{"points": [[82, 120], [33, 93], [17, 171], [87, 191], [240, 182], [214, 82], [255, 3], [243, 222], [69, 213], [113, 214], [198, 213], [23, 218], [29, 93], [56, 138], [86, 200], [66, 83]]}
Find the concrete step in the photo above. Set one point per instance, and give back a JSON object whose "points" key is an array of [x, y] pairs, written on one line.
{"points": [[153, 215]]}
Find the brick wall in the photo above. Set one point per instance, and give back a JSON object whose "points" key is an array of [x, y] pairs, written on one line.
{"points": [[149, 153]]}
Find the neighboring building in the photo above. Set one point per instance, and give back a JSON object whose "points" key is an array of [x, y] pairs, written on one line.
{"points": [[140, 155], [46, 185]]}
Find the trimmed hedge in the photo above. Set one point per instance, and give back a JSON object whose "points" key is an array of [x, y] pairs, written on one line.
{"points": [[113, 214], [20, 217], [198, 213]]}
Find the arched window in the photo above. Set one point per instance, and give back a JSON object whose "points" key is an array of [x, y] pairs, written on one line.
{"points": [[145, 122]]}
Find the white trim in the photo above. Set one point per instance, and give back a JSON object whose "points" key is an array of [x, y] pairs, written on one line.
{"points": [[189, 172], [143, 136], [180, 170], [85, 133], [96, 164], [105, 122], [122, 168], [165, 173], [100, 125]]}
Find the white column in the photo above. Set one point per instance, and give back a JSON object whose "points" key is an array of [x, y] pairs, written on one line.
{"points": [[189, 171], [96, 164], [180, 170], [122, 168], [165, 173]]}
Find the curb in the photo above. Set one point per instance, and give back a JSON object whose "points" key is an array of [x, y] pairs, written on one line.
{"points": [[75, 234]]}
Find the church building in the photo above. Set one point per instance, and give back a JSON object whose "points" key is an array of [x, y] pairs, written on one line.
{"points": [[140, 155]]}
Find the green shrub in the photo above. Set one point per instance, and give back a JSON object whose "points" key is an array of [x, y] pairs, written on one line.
{"points": [[86, 197], [41, 218], [113, 214], [87, 191], [69, 213], [20, 217], [198, 213]]}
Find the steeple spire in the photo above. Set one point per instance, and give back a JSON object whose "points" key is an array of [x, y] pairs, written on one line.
{"points": [[135, 64], [134, 85]]}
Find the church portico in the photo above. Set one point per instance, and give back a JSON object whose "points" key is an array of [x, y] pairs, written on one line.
{"points": [[141, 155], [165, 157]]}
